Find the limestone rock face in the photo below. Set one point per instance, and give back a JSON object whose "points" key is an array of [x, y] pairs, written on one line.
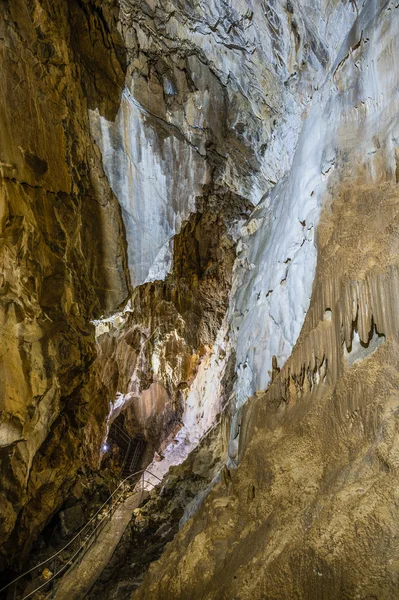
{"points": [[309, 512], [149, 358], [62, 247], [214, 99], [214, 96]]}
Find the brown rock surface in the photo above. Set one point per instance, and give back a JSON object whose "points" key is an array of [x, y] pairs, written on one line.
{"points": [[220, 101], [56, 209]]}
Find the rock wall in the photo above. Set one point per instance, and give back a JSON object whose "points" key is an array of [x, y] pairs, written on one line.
{"points": [[310, 511], [152, 184], [214, 99], [62, 247], [212, 187]]}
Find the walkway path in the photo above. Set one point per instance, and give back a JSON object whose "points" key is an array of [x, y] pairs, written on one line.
{"points": [[77, 581]]}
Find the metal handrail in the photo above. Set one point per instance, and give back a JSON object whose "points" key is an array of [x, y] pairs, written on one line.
{"points": [[70, 561], [121, 432], [136, 454], [125, 457]]}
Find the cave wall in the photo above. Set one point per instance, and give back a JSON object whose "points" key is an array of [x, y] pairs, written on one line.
{"points": [[194, 200], [214, 99], [62, 247], [310, 510]]}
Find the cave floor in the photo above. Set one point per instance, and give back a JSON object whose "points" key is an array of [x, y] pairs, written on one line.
{"points": [[78, 581]]}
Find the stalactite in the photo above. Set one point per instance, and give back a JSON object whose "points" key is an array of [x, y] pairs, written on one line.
{"points": [[360, 306]]}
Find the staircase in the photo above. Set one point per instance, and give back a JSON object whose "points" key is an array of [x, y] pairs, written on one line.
{"points": [[87, 540], [133, 458], [132, 447]]}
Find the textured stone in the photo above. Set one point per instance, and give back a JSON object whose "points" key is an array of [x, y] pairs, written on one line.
{"points": [[238, 161], [209, 121], [72, 519], [309, 512], [150, 358], [58, 270]]}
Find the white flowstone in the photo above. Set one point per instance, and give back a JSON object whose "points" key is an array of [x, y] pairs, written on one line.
{"points": [[155, 180], [349, 113]]}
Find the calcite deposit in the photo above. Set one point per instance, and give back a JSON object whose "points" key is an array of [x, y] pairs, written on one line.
{"points": [[209, 121]]}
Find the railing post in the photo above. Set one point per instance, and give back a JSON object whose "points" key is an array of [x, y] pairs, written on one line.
{"points": [[142, 488], [15, 590], [96, 528], [110, 508]]}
